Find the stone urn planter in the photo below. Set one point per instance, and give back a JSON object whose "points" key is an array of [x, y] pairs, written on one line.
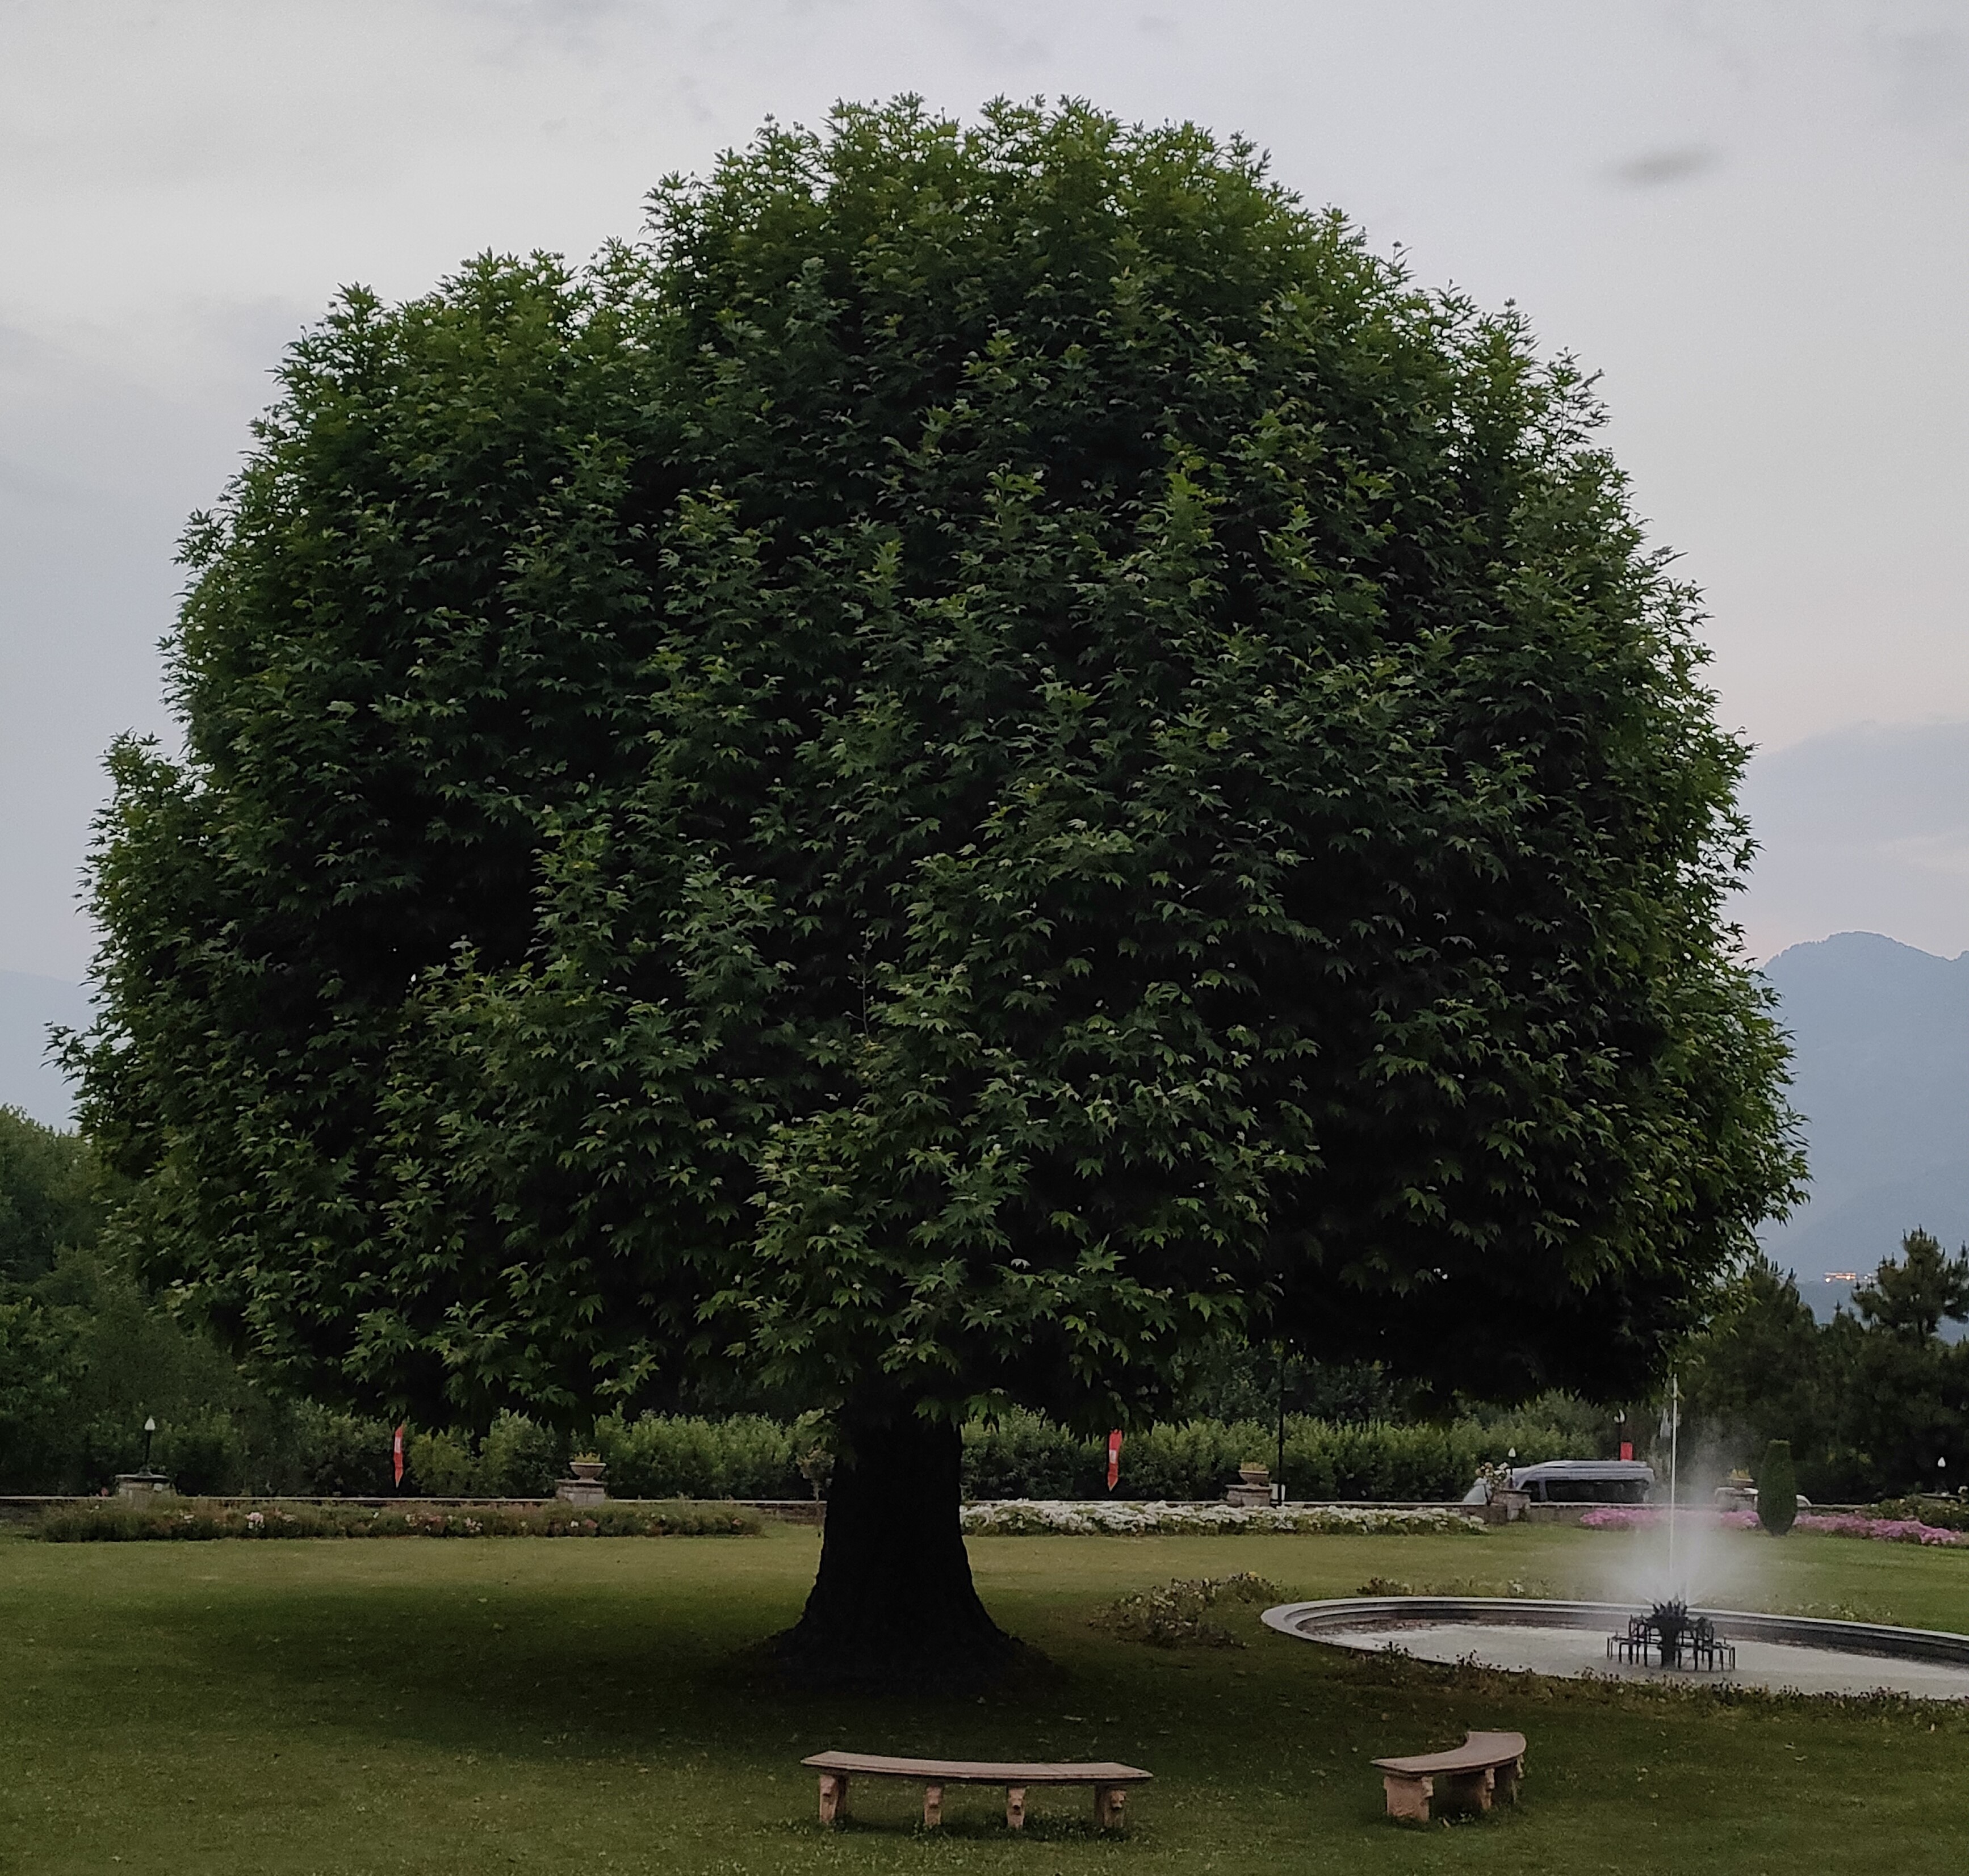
{"points": [[585, 1486], [144, 1486], [1253, 1487]]}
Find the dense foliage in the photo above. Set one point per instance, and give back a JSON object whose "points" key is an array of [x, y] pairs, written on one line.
{"points": [[1868, 1402], [998, 751], [53, 1193]]}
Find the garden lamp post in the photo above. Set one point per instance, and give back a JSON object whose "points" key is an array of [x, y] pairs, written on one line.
{"points": [[1279, 1473], [1941, 1475], [150, 1428]]}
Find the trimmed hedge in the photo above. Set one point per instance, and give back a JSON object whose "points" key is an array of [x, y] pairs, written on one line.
{"points": [[1019, 1456], [665, 1456], [113, 1523], [1024, 1455]]}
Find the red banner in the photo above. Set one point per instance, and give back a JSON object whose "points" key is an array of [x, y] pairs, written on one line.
{"points": [[1113, 1458], [396, 1454]]}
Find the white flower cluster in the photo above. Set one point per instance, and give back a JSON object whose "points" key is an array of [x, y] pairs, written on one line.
{"points": [[1028, 1518]]}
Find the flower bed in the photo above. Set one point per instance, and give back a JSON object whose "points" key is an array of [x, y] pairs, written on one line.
{"points": [[1647, 1517], [113, 1523], [1024, 1518], [1826, 1523], [1883, 1530]]}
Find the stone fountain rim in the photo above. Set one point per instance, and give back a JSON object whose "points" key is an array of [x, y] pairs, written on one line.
{"points": [[1308, 1621]]}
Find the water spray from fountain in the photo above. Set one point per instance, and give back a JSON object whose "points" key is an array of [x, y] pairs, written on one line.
{"points": [[1673, 1429]]}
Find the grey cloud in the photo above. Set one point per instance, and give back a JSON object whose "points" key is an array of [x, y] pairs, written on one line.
{"points": [[1927, 74], [1658, 168]]}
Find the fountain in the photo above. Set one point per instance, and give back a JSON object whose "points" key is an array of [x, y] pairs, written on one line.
{"points": [[1676, 1638], [1660, 1635], [1670, 1634]]}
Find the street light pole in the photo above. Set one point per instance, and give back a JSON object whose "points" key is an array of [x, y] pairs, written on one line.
{"points": [[149, 1427]]}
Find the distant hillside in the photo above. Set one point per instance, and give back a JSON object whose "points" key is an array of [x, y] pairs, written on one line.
{"points": [[1881, 1034], [28, 1005]]}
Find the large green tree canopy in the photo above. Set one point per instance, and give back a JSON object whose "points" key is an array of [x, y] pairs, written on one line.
{"points": [[997, 753]]}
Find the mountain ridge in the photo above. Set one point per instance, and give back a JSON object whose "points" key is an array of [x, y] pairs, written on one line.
{"points": [[1880, 1032]]}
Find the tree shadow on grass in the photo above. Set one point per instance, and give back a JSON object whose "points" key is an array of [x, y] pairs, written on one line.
{"points": [[553, 1669]]}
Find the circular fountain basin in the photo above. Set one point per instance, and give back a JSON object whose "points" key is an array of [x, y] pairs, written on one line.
{"points": [[1804, 1652]]}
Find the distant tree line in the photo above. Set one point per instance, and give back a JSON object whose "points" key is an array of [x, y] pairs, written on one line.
{"points": [[1873, 1403]]}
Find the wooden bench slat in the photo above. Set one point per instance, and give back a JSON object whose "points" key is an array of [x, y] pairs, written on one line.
{"points": [[977, 1771]]}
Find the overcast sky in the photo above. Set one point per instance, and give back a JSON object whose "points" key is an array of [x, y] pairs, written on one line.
{"points": [[1751, 219]]}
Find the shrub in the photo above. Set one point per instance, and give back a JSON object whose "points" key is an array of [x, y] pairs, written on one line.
{"points": [[746, 1456], [518, 1459], [340, 1455], [442, 1465], [1024, 1456], [1177, 1616], [203, 1454], [1777, 1489]]}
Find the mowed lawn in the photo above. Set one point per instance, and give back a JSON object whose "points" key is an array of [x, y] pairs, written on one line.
{"points": [[589, 1705]]}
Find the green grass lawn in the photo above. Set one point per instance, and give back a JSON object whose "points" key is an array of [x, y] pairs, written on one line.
{"points": [[587, 1704]]}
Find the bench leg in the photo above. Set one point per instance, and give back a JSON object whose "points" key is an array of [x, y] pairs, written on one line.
{"points": [[932, 1806], [1015, 1807], [1109, 1802], [834, 1797], [1408, 1798], [1509, 1775], [1466, 1791]]}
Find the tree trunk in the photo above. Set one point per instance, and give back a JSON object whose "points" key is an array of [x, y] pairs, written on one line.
{"points": [[893, 1602]]}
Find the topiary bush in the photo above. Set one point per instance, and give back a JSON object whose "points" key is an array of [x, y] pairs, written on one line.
{"points": [[1777, 1489]]}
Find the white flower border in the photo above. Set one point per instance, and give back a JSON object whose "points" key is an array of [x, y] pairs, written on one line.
{"points": [[1038, 1518]]}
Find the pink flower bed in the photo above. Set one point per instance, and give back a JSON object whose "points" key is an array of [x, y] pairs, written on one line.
{"points": [[1887, 1530], [1646, 1517], [1827, 1524]]}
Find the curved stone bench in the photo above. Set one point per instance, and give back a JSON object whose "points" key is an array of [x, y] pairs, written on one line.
{"points": [[1111, 1783], [1465, 1778]]}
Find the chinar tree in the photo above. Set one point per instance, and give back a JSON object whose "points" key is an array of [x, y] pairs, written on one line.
{"points": [[996, 755]]}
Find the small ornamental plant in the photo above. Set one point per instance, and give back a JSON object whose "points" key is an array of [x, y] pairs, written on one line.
{"points": [[1777, 1489], [1177, 1616]]}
